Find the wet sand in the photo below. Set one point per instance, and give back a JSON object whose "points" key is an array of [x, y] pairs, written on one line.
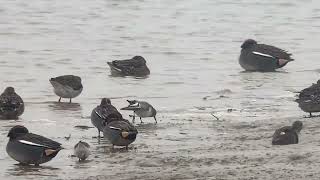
{"points": [[191, 49]]}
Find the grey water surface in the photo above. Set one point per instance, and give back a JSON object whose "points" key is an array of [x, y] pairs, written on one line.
{"points": [[192, 50]]}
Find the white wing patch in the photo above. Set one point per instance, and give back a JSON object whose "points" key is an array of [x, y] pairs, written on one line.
{"points": [[98, 114], [282, 133], [262, 54], [136, 104], [115, 128], [117, 68], [31, 143]]}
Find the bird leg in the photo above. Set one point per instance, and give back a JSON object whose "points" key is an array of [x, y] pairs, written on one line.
{"points": [[141, 120], [59, 99], [70, 100], [155, 119], [98, 133]]}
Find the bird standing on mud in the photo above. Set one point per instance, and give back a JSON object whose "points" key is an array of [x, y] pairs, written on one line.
{"points": [[120, 133], [29, 148], [288, 134], [104, 114], [11, 104], [309, 99], [82, 150], [131, 67], [262, 57], [67, 86], [141, 109]]}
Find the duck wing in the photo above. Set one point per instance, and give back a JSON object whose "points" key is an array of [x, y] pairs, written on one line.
{"points": [[272, 51], [37, 140], [108, 113], [123, 125]]}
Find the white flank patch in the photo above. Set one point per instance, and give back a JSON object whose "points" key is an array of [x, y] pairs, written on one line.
{"points": [[98, 114], [30, 143], [282, 133], [116, 68], [261, 54], [111, 127]]}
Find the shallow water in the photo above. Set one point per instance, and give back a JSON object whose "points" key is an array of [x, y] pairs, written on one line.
{"points": [[191, 48]]}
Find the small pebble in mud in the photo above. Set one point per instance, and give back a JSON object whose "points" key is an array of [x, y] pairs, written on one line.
{"points": [[205, 98]]}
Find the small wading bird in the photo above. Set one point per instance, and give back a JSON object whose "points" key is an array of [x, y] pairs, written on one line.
{"points": [[28, 148], [287, 135], [104, 113], [82, 150], [67, 86], [142, 109], [11, 104], [262, 57], [309, 99], [130, 67]]}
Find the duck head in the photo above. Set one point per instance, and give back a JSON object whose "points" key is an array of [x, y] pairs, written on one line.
{"points": [[9, 90], [105, 101], [248, 43], [17, 131], [133, 105], [297, 126]]}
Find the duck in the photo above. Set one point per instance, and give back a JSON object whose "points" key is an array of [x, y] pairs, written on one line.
{"points": [[142, 109], [11, 104], [262, 57], [29, 148], [104, 114], [82, 150], [120, 133], [67, 86], [309, 99], [135, 66], [287, 134]]}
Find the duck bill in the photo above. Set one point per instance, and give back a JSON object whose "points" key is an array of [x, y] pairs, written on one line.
{"points": [[131, 108]]}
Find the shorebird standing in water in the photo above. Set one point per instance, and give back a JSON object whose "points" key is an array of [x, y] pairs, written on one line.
{"points": [[142, 109], [67, 86], [11, 104]]}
